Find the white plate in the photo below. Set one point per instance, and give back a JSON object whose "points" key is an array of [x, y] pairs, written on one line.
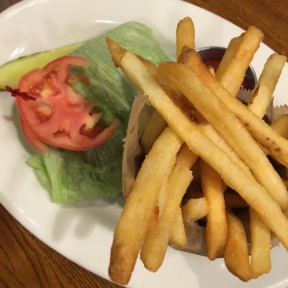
{"points": [[84, 233]]}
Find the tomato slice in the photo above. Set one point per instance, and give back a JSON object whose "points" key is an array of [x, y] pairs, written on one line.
{"points": [[32, 138], [60, 116]]}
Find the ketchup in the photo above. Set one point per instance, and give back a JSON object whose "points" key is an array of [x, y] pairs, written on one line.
{"points": [[212, 63], [212, 57]]}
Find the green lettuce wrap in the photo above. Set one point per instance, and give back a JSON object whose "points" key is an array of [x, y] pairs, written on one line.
{"points": [[73, 176]]}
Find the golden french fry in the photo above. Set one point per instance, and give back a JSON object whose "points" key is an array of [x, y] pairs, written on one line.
{"points": [[153, 129], [144, 194], [212, 134], [261, 131], [227, 154], [195, 209], [249, 189], [183, 78], [117, 52], [231, 76], [285, 181], [177, 230], [212, 70], [262, 93], [281, 125], [158, 206], [186, 157], [209, 131], [177, 234], [236, 253], [156, 241], [185, 35], [216, 227], [213, 188], [228, 55], [260, 245]]}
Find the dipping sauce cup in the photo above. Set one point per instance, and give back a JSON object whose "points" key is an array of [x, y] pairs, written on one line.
{"points": [[213, 55]]}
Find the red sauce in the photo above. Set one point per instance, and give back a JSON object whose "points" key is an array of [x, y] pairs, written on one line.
{"points": [[212, 63], [215, 64]]}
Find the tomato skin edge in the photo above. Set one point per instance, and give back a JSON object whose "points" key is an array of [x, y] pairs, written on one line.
{"points": [[87, 142], [32, 138]]}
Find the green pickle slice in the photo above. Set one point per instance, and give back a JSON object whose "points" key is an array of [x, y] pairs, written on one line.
{"points": [[12, 71]]}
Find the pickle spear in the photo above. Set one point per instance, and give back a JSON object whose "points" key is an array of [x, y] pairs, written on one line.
{"points": [[11, 72]]}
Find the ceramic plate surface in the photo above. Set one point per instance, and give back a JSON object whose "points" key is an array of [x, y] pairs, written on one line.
{"points": [[83, 233]]}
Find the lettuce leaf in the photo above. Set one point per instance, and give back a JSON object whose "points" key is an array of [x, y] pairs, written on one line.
{"points": [[73, 176]]}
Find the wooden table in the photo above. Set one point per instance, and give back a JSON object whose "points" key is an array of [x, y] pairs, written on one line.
{"points": [[27, 262]]}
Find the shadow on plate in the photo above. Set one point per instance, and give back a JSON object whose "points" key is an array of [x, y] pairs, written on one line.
{"points": [[84, 217], [16, 120]]}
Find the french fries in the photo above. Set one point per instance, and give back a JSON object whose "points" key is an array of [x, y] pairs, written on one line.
{"points": [[261, 131], [198, 118], [216, 227], [177, 230], [185, 35], [133, 223], [232, 71], [156, 241], [186, 158], [263, 91], [260, 245], [252, 192], [236, 252], [195, 209], [234, 133], [212, 134], [153, 129], [281, 125]]}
